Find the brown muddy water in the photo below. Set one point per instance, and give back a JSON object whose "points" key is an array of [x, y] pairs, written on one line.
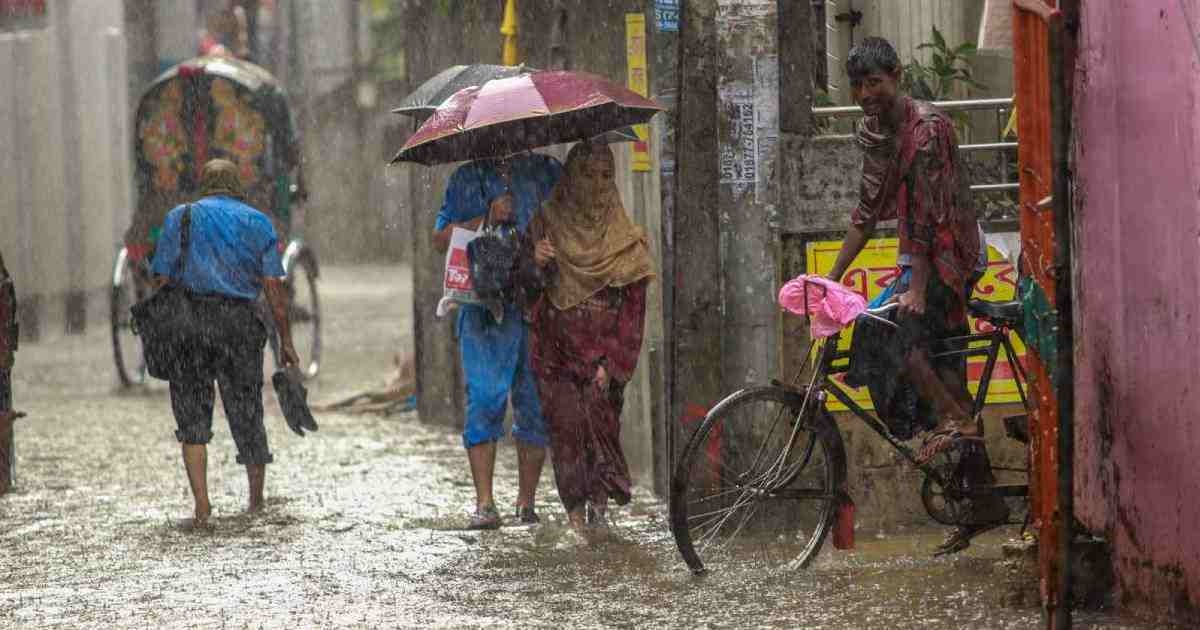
{"points": [[363, 524]]}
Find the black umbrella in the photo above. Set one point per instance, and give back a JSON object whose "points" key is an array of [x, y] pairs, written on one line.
{"points": [[617, 136], [426, 98]]}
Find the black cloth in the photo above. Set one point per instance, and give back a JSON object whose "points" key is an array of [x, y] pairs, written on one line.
{"points": [[229, 351], [877, 353], [293, 401], [493, 259]]}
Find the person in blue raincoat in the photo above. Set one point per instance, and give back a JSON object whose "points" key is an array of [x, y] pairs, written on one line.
{"points": [[495, 354]]}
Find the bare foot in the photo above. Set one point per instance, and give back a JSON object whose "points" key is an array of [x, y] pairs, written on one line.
{"points": [[199, 520], [943, 438], [255, 505], [577, 520], [573, 538], [964, 426]]}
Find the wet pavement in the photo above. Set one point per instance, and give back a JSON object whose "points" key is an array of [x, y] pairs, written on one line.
{"points": [[363, 523]]}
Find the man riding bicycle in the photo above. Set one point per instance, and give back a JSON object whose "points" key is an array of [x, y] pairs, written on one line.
{"points": [[912, 173]]}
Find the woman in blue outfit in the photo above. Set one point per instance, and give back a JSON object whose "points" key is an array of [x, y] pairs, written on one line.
{"points": [[495, 354]]}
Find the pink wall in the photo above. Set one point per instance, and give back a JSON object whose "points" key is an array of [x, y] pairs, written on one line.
{"points": [[1137, 109]]}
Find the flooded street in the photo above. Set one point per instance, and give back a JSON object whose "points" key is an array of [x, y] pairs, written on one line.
{"points": [[364, 522]]}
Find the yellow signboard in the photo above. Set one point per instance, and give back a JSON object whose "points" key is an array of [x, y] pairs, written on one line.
{"points": [[638, 81], [875, 268]]}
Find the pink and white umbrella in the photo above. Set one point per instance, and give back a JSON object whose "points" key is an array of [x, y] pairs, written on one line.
{"points": [[507, 116]]}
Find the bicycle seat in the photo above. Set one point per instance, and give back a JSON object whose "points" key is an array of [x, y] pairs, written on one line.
{"points": [[1007, 314]]}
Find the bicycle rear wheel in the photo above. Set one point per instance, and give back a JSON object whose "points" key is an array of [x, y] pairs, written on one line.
{"points": [[127, 348], [758, 483], [304, 314]]}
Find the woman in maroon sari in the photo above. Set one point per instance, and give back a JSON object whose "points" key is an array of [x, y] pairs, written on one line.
{"points": [[587, 329]]}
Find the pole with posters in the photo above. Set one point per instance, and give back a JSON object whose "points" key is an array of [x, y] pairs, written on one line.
{"points": [[664, 29], [747, 139]]}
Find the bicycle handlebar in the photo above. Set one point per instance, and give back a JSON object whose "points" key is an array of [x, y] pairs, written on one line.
{"points": [[877, 314]]}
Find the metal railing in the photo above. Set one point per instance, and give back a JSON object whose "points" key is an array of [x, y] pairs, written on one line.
{"points": [[1000, 105], [854, 111]]}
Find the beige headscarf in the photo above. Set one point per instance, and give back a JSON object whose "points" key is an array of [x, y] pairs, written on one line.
{"points": [[597, 244], [220, 177]]}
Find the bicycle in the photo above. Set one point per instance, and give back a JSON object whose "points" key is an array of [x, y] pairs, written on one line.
{"points": [[767, 486], [131, 282]]}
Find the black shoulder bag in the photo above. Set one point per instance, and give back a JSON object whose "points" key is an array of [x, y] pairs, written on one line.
{"points": [[492, 256], [167, 320], [498, 273]]}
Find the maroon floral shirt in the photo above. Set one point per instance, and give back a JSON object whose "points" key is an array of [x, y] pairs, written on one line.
{"points": [[916, 177]]}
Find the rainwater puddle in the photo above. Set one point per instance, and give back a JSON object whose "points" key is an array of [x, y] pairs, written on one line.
{"points": [[364, 524]]}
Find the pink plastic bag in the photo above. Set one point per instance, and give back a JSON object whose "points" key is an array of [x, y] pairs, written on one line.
{"points": [[831, 305]]}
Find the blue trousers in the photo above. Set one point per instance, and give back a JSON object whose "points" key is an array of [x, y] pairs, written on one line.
{"points": [[495, 358]]}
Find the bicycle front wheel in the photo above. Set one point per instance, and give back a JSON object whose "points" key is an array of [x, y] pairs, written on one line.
{"points": [[758, 483]]}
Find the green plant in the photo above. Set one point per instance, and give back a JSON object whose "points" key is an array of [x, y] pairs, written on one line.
{"points": [[821, 98], [388, 23], [948, 68]]}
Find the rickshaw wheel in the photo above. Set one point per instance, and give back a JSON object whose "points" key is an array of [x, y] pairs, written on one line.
{"points": [[304, 313], [127, 348]]}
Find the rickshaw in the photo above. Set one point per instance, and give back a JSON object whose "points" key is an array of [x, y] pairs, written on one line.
{"points": [[205, 108]]}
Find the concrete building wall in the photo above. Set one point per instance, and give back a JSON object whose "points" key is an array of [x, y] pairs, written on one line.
{"points": [[906, 24], [1137, 296], [103, 198], [178, 27], [322, 59], [64, 133]]}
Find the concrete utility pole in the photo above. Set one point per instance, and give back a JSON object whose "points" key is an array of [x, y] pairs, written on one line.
{"points": [[76, 298], [797, 65], [665, 89], [736, 59], [748, 136], [141, 36], [560, 50], [695, 325], [430, 46]]}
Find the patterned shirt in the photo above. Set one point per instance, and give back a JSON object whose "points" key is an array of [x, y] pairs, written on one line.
{"points": [[916, 177]]}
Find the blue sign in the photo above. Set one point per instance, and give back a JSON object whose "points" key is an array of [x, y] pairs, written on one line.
{"points": [[666, 15]]}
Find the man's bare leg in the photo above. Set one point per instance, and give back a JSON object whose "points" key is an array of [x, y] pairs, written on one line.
{"points": [[955, 381], [483, 466], [195, 462], [530, 460], [954, 412], [256, 476], [949, 404]]}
